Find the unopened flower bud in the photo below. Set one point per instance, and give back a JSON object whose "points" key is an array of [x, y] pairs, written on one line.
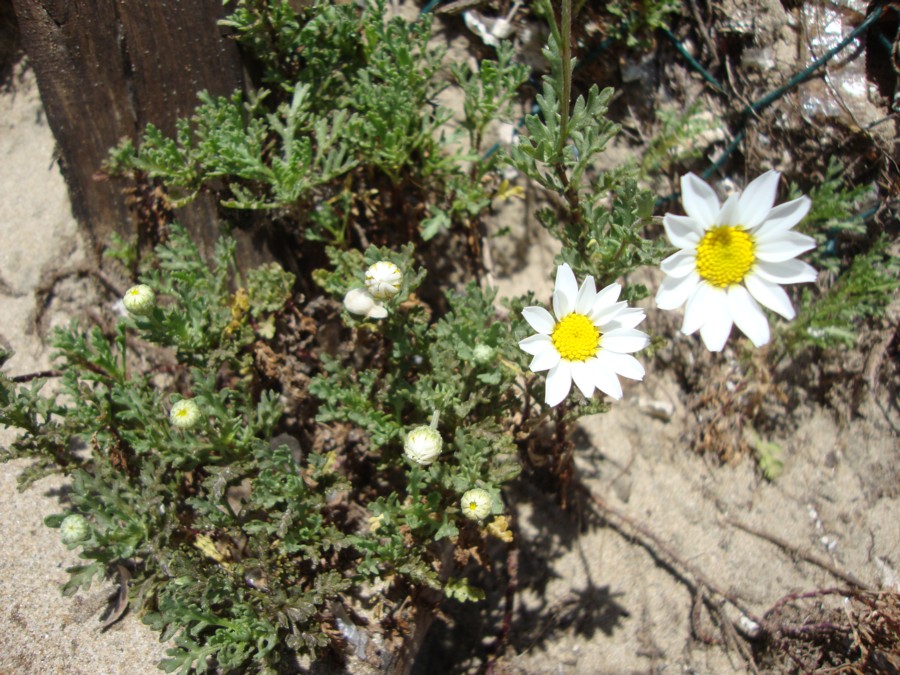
{"points": [[483, 354], [476, 504], [139, 300], [423, 445], [74, 528], [185, 414], [358, 301], [383, 279]]}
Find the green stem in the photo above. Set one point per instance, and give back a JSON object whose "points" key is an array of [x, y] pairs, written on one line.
{"points": [[565, 34]]}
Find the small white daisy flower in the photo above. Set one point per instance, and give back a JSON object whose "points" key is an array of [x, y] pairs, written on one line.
{"points": [[139, 300], [733, 256], [358, 301], [476, 504], [423, 445], [590, 341], [383, 280], [185, 414]]}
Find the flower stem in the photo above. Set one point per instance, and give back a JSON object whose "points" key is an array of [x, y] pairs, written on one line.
{"points": [[565, 35]]}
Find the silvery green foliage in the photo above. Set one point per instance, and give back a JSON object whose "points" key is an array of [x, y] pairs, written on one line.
{"points": [[347, 94], [245, 582], [603, 214]]}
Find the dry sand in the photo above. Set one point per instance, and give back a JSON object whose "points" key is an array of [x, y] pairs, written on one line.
{"points": [[592, 601]]}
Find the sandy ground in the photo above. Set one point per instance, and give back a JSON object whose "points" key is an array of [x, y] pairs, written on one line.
{"points": [[591, 600], [41, 631]]}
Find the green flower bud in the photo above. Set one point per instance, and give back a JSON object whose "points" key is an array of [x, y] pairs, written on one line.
{"points": [[423, 445], [185, 414], [139, 300], [483, 354], [476, 504], [74, 528]]}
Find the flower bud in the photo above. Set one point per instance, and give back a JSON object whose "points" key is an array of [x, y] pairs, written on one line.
{"points": [[423, 445], [383, 280], [139, 300], [185, 414], [358, 301], [483, 354], [476, 504], [74, 528]]}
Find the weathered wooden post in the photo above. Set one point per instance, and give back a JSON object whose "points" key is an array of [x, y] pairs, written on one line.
{"points": [[105, 68]]}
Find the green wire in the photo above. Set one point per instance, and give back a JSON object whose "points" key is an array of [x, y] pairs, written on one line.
{"points": [[691, 60]]}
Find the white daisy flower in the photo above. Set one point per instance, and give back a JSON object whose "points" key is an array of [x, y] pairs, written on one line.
{"points": [[589, 342], [734, 257]]}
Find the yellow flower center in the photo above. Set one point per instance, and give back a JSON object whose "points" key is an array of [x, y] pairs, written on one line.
{"points": [[725, 255], [473, 505], [576, 338]]}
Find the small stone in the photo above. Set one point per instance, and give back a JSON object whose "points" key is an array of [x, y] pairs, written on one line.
{"points": [[660, 410]]}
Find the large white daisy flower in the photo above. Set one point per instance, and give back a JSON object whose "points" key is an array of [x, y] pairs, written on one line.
{"points": [[589, 342], [733, 256]]}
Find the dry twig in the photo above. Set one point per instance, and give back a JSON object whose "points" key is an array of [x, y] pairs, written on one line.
{"points": [[803, 555]]}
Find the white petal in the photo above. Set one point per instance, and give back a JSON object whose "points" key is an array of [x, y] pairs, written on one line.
{"points": [[378, 311], [607, 297], [624, 340], [622, 364], [565, 292], [607, 314], [683, 231], [717, 326], [582, 376], [587, 294], [627, 318], [544, 360], [679, 264], [730, 213], [715, 332], [697, 310], [758, 199], [770, 295], [605, 380], [786, 272], [699, 200], [673, 292], [783, 217], [539, 319], [784, 246], [536, 344], [559, 382], [748, 316]]}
